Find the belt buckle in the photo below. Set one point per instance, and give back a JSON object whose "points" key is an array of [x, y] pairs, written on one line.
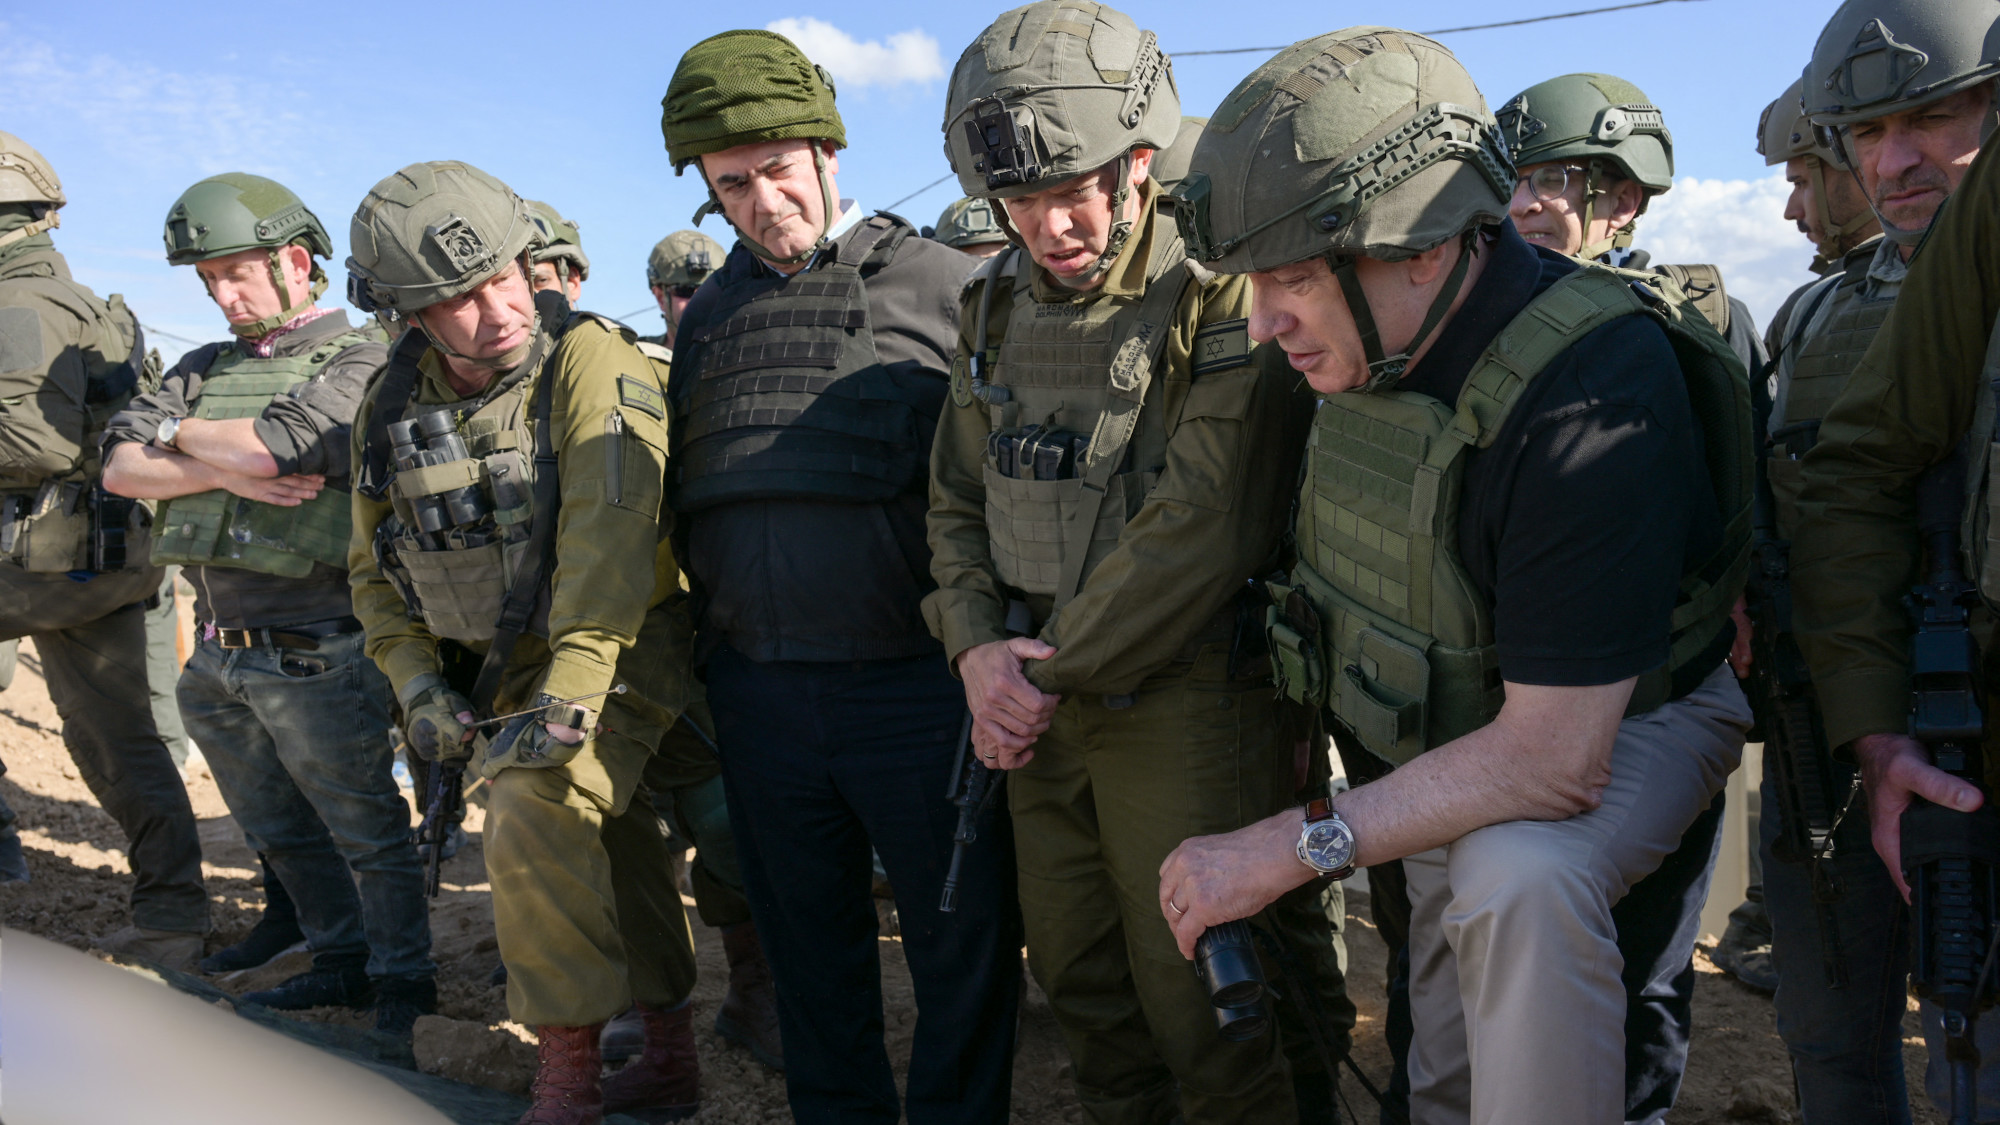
{"points": [[236, 638]]}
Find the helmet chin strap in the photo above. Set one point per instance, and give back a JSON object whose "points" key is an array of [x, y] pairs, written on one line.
{"points": [[828, 205], [1593, 190], [1121, 230], [1385, 370], [49, 221], [315, 287]]}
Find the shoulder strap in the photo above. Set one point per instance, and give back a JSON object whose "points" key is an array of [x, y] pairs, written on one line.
{"points": [[1703, 286], [399, 383], [1131, 373], [538, 559], [854, 250], [1574, 307]]}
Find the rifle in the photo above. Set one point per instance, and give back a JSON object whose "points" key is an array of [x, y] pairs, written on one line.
{"points": [[442, 805], [1803, 773], [1950, 858], [973, 786]]}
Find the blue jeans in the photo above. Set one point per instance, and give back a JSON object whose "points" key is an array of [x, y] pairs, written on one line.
{"points": [[303, 761], [821, 761]]}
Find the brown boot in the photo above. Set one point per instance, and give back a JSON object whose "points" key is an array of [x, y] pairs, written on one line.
{"points": [[749, 1013], [664, 1082], [565, 1090]]}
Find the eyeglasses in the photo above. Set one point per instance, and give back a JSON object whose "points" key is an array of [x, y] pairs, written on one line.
{"points": [[682, 291], [1548, 182]]}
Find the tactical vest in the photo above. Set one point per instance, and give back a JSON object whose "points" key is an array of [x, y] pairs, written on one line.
{"points": [[1819, 373], [50, 500], [219, 528], [1078, 437], [1380, 620], [788, 398]]}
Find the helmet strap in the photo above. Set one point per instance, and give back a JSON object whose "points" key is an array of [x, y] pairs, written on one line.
{"points": [[1593, 191], [1833, 242], [49, 221], [416, 317], [287, 310], [827, 217], [1384, 370]]}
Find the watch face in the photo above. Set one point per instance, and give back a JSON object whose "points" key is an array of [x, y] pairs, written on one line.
{"points": [[1329, 845]]}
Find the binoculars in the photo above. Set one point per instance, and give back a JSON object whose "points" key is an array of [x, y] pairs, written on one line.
{"points": [[1225, 957], [433, 439], [1037, 453]]}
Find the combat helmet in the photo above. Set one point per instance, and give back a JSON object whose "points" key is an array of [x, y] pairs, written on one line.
{"points": [[969, 222], [26, 177], [1368, 142], [745, 87], [1052, 91], [558, 240], [1784, 134], [1601, 122], [432, 232], [1170, 165], [1878, 57], [684, 258], [236, 211]]}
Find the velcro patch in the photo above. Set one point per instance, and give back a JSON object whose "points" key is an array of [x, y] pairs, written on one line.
{"points": [[20, 339], [1220, 345], [641, 396]]}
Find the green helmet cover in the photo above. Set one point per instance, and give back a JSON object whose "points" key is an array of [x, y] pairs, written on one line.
{"points": [[748, 87], [1053, 90], [236, 211], [27, 177], [1590, 117], [1368, 141], [1877, 57], [558, 240], [743, 87], [685, 257], [432, 232], [969, 222]]}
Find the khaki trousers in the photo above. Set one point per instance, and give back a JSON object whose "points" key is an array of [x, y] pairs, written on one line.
{"points": [[1514, 962], [584, 901]]}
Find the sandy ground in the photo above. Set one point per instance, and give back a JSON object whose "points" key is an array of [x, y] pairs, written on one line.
{"points": [[1737, 1070]]}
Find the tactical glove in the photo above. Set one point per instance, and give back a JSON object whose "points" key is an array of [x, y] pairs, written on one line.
{"points": [[526, 743], [430, 720]]}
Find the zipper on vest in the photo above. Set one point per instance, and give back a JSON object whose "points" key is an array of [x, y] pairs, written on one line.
{"points": [[614, 456]]}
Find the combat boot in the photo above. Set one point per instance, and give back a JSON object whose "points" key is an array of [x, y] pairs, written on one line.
{"points": [[275, 932], [400, 1000], [664, 1082], [171, 949], [623, 1037], [13, 862], [749, 1013], [345, 986], [565, 1090]]}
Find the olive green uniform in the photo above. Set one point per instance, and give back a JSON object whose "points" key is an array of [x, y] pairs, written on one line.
{"points": [[1167, 729], [1907, 405], [58, 345], [584, 904]]}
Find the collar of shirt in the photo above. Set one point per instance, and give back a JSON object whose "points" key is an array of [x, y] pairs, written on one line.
{"points": [[1511, 279], [266, 346], [1886, 270]]}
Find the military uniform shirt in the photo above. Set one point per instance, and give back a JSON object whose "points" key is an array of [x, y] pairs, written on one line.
{"points": [[307, 431], [1213, 519], [1905, 408]]}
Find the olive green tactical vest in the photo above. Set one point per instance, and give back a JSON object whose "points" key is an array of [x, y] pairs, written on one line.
{"points": [[1084, 366], [219, 528], [1818, 374], [50, 442], [1380, 621], [789, 399]]}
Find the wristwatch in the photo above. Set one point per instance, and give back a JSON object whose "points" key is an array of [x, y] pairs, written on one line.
{"points": [[168, 433], [1326, 843]]}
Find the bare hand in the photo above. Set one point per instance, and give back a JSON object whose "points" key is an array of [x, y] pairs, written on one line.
{"points": [[1896, 769], [1739, 649], [568, 736], [1008, 712], [1210, 880], [285, 492]]}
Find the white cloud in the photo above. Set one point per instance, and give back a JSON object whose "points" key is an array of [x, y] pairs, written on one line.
{"points": [[1737, 225], [908, 56]]}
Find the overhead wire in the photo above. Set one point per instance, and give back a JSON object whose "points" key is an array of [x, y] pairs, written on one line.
{"points": [[1468, 27]]}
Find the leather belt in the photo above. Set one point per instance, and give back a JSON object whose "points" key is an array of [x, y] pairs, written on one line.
{"points": [[306, 636]]}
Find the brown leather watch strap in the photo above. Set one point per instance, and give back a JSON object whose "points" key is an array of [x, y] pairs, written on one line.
{"points": [[1318, 809]]}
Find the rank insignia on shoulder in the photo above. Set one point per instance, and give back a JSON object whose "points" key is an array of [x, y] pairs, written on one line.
{"points": [[641, 396], [1220, 345]]}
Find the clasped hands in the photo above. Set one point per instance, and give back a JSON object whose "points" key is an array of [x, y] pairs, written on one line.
{"points": [[1008, 712]]}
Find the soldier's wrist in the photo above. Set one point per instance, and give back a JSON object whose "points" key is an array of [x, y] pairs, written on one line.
{"points": [[417, 690]]}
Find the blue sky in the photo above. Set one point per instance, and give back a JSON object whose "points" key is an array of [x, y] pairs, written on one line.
{"points": [[135, 101]]}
